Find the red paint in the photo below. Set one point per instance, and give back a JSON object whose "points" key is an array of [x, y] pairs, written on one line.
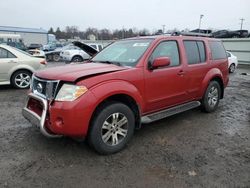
{"points": [[152, 90]]}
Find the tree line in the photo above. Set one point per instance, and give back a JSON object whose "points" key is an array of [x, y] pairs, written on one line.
{"points": [[73, 32]]}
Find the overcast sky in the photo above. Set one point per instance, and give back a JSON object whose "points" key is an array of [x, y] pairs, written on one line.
{"points": [[116, 14]]}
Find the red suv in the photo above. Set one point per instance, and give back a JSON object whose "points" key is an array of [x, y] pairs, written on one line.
{"points": [[130, 82]]}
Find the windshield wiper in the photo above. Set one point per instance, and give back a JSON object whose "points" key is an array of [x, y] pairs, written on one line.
{"points": [[110, 62]]}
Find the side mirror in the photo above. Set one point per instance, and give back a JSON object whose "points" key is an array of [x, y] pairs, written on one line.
{"points": [[160, 62]]}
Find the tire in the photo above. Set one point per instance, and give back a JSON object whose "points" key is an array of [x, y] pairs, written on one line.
{"points": [[56, 57], [211, 98], [21, 79], [106, 136], [77, 59], [232, 68]]}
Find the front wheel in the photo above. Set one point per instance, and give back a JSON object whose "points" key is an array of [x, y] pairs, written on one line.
{"points": [[112, 128], [210, 100], [77, 59]]}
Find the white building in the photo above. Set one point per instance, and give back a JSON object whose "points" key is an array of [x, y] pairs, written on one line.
{"points": [[28, 35]]}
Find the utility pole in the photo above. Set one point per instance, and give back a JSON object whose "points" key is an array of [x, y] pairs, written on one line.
{"points": [[163, 29], [241, 23], [201, 16]]}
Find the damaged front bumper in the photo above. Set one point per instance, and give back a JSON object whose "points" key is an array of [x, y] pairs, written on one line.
{"points": [[38, 119]]}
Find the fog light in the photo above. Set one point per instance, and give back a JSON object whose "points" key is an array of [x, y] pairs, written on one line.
{"points": [[59, 122]]}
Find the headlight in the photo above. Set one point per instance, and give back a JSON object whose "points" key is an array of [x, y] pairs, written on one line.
{"points": [[69, 92]]}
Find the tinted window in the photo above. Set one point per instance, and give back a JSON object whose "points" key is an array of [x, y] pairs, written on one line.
{"points": [[167, 49], [5, 54], [192, 52], [217, 49], [100, 47], [93, 46], [202, 52]]}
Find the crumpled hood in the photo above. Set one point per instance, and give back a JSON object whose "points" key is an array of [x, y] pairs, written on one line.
{"points": [[72, 72]]}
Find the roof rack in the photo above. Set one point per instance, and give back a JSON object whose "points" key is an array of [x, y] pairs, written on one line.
{"points": [[194, 34]]}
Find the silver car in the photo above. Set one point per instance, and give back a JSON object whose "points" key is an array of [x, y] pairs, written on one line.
{"points": [[17, 67]]}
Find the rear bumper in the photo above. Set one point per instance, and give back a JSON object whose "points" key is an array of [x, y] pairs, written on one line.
{"points": [[35, 119]]}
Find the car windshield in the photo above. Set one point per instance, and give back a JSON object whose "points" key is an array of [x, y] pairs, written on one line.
{"points": [[124, 53]]}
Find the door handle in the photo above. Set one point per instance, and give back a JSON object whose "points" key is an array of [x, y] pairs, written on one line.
{"points": [[181, 73]]}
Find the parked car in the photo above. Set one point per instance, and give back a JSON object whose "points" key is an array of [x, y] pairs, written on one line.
{"points": [[232, 62], [55, 54], [77, 54], [51, 46], [130, 82], [226, 34], [35, 46], [37, 53], [16, 66]]}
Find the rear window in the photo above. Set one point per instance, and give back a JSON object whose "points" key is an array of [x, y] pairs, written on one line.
{"points": [[195, 51], [218, 50]]}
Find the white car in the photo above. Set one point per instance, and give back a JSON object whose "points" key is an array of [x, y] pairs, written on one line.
{"points": [[17, 66], [77, 54], [232, 62]]}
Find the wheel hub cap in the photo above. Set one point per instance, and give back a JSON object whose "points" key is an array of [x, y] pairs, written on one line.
{"points": [[114, 129], [22, 80], [213, 96]]}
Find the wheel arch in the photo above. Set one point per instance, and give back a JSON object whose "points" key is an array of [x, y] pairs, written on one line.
{"points": [[76, 55], [122, 98], [213, 75], [20, 69]]}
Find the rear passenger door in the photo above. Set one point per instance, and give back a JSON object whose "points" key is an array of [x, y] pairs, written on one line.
{"points": [[165, 86], [7, 61], [197, 65]]}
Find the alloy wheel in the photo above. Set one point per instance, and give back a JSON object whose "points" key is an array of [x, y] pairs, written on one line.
{"points": [[114, 129]]}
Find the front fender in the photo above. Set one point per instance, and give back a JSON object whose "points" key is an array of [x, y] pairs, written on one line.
{"points": [[107, 89]]}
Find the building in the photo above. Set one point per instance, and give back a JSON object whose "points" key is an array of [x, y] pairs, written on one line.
{"points": [[28, 35]]}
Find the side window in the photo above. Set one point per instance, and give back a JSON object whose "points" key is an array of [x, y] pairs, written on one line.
{"points": [[167, 49], [192, 52], [202, 51], [6, 54], [228, 54], [93, 46], [217, 49], [3, 53], [100, 47]]}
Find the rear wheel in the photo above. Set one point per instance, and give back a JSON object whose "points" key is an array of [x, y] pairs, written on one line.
{"points": [[211, 97], [77, 59], [21, 79], [56, 57], [112, 128], [232, 68]]}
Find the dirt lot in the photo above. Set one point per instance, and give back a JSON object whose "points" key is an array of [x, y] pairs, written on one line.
{"points": [[191, 149]]}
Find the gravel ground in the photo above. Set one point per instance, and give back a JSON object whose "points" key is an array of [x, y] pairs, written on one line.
{"points": [[191, 149]]}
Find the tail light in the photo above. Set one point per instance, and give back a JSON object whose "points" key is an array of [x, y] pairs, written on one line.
{"points": [[43, 62]]}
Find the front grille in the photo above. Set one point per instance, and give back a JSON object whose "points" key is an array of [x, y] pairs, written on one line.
{"points": [[44, 88]]}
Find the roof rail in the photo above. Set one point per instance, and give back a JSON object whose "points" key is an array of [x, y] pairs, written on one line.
{"points": [[194, 34]]}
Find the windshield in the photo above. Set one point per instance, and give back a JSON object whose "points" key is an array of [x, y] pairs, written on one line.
{"points": [[126, 53]]}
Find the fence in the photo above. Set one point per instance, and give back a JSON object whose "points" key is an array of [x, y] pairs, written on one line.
{"points": [[240, 48]]}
